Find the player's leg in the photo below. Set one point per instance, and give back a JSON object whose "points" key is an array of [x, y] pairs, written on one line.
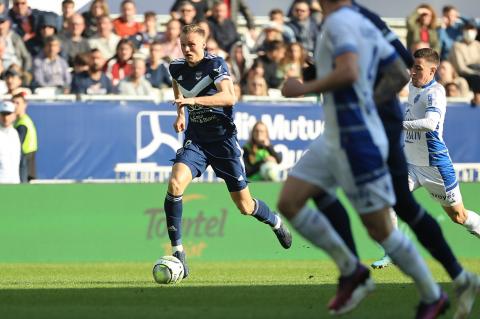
{"points": [[469, 219], [306, 180], [189, 163], [257, 208]]}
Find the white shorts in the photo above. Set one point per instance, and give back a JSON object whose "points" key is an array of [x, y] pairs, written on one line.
{"points": [[329, 169], [441, 182]]}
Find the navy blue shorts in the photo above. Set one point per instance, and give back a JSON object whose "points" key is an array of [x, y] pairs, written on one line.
{"points": [[225, 157]]}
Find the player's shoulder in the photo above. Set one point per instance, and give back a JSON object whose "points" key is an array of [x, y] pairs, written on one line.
{"points": [[175, 65], [213, 59], [435, 88]]}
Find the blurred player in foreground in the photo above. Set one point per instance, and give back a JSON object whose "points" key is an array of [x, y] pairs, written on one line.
{"points": [[202, 84], [352, 154]]}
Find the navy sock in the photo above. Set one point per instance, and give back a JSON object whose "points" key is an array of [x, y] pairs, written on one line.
{"points": [[338, 217], [173, 211], [264, 214], [430, 235]]}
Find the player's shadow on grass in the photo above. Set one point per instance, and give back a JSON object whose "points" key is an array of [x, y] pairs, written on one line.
{"points": [[182, 301]]}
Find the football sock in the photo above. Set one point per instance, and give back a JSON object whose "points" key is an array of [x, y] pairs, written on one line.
{"points": [[173, 212], [393, 217], [472, 223], [264, 214], [312, 225], [460, 279], [430, 235], [338, 217], [177, 248], [407, 258]]}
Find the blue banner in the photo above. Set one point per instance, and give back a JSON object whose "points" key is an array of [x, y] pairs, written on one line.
{"points": [[87, 139]]}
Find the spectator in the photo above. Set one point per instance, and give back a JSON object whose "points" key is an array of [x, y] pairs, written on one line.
{"points": [[188, 13], [233, 7], [304, 25], [465, 58], [261, 160], [68, 10], [136, 84], [255, 70], [450, 31], [13, 80], [25, 20], [206, 27], [143, 40], [120, 66], [81, 62], [202, 8], [257, 86], [105, 40], [271, 32], [422, 26], [73, 43], [315, 9], [275, 52], [48, 28], [222, 28], [10, 149], [94, 81], [50, 69], [15, 49], [240, 61], [28, 139], [452, 89], [211, 46], [3, 8], [294, 61], [277, 16], [446, 74], [125, 25], [157, 73], [170, 41], [98, 8]]}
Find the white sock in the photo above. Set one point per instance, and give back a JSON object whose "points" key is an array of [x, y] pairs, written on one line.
{"points": [[177, 248], [407, 258], [393, 217], [279, 223], [460, 279], [317, 229], [472, 223]]}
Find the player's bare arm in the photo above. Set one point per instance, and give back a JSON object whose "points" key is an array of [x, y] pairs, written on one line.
{"points": [[225, 97], [345, 73], [394, 78], [179, 124]]}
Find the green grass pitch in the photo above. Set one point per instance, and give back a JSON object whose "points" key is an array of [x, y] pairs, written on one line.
{"points": [[259, 289]]}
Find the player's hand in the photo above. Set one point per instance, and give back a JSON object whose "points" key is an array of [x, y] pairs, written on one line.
{"points": [[292, 87], [181, 102], [179, 124]]}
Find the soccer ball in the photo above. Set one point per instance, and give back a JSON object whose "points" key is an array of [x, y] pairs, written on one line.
{"points": [[168, 270], [270, 171]]}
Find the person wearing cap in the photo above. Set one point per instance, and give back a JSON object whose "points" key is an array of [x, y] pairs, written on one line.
{"points": [[48, 28], [14, 45], [28, 139], [9, 145]]}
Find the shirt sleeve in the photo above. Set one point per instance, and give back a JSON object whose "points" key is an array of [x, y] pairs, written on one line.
{"points": [[340, 37], [219, 70], [427, 124]]}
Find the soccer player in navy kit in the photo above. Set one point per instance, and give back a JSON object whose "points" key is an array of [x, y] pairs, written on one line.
{"points": [[202, 84]]}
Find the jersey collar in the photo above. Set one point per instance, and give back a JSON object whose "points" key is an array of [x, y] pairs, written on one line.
{"points": [[428, 84]]}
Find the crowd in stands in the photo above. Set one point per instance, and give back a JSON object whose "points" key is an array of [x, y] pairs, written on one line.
{"points": [[91, 53]]}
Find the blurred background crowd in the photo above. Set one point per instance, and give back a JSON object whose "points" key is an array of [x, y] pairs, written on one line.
{"points": [[95, 53]]}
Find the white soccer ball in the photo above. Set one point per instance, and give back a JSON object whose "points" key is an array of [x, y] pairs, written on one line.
{"points": [[270, 171], [168, 270]]}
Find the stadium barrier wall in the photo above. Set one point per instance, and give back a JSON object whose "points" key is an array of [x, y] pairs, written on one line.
{"points": [[86, 140], [125, 222]]}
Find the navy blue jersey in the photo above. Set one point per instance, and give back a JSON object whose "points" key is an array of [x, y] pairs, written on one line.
{"points": [[205, 124], [390, 112]]}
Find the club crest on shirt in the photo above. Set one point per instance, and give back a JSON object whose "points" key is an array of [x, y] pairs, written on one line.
{"points": [[218, 70], [417, 97], [198, 75]]}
